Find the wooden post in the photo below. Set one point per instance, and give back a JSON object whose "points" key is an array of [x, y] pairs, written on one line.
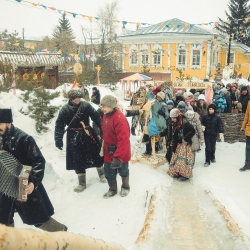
{"points": [[26, 239], [98, 68]]}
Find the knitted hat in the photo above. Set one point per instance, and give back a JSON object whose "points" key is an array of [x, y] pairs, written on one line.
{"points": [[179, 93], [228, 85], [201, 97], [6, 116], [179, 98], [189, 94], [181, 104], [234, 85], [161, 95], [156, 90], [196, 95], [189, 114], [170, 102], [94, 88], [109, 101], [174, 113], [75, 93], [224, 91]]}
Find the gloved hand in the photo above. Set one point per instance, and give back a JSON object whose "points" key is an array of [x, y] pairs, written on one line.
{"points": [[203, 128], [116, 163], [160, 112], [221, 137], [184, 142], [59, 145]]}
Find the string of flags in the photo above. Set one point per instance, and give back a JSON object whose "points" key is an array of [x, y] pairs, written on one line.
{"points": [[124, 22]]}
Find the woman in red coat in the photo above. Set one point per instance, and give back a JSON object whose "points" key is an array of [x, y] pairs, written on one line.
{"points": [[117, 152]]}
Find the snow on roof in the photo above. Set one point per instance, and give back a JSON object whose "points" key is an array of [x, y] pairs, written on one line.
{"points": [[171, 27], [31, 59]]}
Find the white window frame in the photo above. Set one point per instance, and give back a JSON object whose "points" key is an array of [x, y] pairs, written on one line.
{"points": [[157, 62], [215, 57], [133, 56], [182, 55], [192, 57], [143, 62]]}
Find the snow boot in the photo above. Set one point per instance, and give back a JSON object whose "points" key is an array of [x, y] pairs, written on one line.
{"points": [[182, 178], [52, 226], [213, 156], [206, 164], [125, 186], [112, 189], [246, 167], [148, 149], [208, 157], [133, 131], [82, 183], [101, 174]]}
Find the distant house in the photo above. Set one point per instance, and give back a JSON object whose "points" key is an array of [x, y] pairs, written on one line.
{"points": [[174, 46], [37, 63]]}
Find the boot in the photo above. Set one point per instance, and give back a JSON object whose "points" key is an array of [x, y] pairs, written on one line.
{"points": [[213, 156], [101, 174], [53, 226], [208, 156], [82, 183], [148, 149], [11, 225], [246, 167], [112, 189], [125, 186], [182, 178], [145, 138]]}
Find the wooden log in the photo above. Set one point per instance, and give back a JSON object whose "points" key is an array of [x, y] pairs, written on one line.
{"points": [[29, 239]]}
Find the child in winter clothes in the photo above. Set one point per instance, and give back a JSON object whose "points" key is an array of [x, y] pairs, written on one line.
{"points": [[201, 106], [220, 102], [213, 125]]}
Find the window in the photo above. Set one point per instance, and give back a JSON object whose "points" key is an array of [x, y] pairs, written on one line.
{"points": [[157, 58], [133, 58], [144, 59], [182, 57], [196, 58], [215, 58], [231, 58]]}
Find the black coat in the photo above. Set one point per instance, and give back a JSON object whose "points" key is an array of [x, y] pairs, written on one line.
{"points": [[243, 99], [213, 124], [175, 135], [96, 97], [38, 207], [82, 151]]}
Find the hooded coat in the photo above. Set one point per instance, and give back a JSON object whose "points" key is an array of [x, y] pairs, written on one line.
{"points": [[201, 109], [38, 207], [243, 99], [199, 135], [82, 150]]}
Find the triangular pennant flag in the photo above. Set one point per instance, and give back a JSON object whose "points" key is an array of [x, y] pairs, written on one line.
{"points": [[45, 7], [74, 85], [52, 8], [90, 18], [35, 4], [74, 15], [19, 1]]}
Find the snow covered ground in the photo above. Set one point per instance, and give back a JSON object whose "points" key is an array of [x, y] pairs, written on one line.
{"points": [[120, 219]]}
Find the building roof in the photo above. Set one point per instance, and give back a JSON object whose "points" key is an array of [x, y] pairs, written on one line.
{"points": [[31, 59], [170, 27]]}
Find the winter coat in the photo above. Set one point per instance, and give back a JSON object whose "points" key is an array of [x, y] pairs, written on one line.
{"points": [[201, 110], [220, 102], [213, 124], [38, 207], [175, 133], [228, 109], [116, 132], [246, 122], [82, 150], [199, 135], [96, 97], [157, 122], [243, 99]]}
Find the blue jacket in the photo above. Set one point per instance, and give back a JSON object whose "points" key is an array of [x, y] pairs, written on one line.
{"points": [[220, 102]]}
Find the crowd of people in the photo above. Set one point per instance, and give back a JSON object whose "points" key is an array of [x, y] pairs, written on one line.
{"points": [[185, 119]]}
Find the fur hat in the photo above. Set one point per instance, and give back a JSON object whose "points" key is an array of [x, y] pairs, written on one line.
{"points": [[243, 88], [161, 95], [181, 104], [212, 106], [196, 95], [201, 97], [6, 116], [175, 113], [109, 101], [189, 114], [189, 94], [75, 93], [170, 102], [179, 93]]}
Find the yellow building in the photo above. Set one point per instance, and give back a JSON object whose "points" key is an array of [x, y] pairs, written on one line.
{"points": [[176, 49]]}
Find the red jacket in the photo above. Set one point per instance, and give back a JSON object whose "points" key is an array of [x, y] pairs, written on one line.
{"points": [[116, 131]]}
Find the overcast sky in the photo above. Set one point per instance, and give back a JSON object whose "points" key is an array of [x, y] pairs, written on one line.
{"points": [[38, 22]]}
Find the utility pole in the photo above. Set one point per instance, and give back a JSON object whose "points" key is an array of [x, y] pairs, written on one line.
{"points": [[229, 46], [23, 36]]}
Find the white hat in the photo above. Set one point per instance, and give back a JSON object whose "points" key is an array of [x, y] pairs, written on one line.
{"points": [[161, 95], [189, 114], [201, 97], [175, 113]]}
